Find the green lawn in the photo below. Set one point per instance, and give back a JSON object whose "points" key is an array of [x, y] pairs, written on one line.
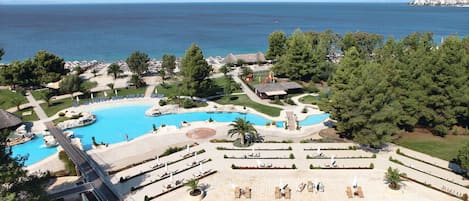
{"points": [[57, 105], [309, 100], [244, 100], [37, 93], [445, 148], [6, 97], [32, 117]]}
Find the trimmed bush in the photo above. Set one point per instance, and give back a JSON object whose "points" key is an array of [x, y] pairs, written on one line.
{"points": [[291, 156], [304, 110], [163, 102], [372, 166], [293, 166]]}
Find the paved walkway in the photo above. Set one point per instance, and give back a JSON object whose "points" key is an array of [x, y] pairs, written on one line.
{"points": [[149, 91], [291, 120], [35, 104]]}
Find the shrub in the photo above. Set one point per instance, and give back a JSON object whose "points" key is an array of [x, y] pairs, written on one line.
{"points": [[311, 166], [187, 103], [304, 110], [163, 125], [154, 127], [225, 156], [61, 114], [465, 197], [121, 179], [441, 130], [372, 166], [289, 148], [291, 156], [293, 166], [76, 116], [373, 156], [171, 150], [398, 151], [311, 89], [146, 198], [163, 102], [210, 120], [274, 123], [277, 100], [308, 157], [233, 166], [290, 101], [267, 124]]}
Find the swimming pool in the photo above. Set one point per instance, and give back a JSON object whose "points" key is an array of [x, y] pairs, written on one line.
{"points": [[35, 149], [113, 124]]}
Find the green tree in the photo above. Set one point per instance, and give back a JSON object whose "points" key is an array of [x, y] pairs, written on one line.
{"points": [[138, 62], [297, 62], [195, 71], [48, 67], [17, 102], [277, 43], [111, 86], [225, 70], [2, 52], [162, 74], [70, 84], [169, 63], [78, 70], [244, 129], [137, 81], [193, 185], [15, 184], [46, 95], [393, 177], [365, 43], [115, 70], [463, 158]]}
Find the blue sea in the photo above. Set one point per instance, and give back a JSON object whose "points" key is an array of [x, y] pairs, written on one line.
{"points": [[112, 32]]}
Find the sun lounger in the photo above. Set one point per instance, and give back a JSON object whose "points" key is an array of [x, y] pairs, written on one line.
{"points": [[277, 193], [287, 193], [301, 187], [349, 192], [360, 192], [247, 192], [310, 186], [237, 192]]}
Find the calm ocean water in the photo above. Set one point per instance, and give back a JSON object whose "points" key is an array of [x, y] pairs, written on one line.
{"points": [[111, 32]]}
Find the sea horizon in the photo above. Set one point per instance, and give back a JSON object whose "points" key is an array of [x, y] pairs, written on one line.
{"points": [[110, 32]]}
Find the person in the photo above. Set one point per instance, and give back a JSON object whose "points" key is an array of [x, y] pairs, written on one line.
{"points": [[127, 137]]}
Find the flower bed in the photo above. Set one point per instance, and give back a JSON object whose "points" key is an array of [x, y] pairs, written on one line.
{"points": [[334, 149], [343, 157], [235, 167]]}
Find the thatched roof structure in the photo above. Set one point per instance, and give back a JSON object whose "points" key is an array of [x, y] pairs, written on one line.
{"points": [[274, 87], [8, 120], [246, 58]]}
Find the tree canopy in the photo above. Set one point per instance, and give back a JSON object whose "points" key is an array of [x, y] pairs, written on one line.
{"points": [[43, 68], [169, 63], [407, 83], [70, 84], [14, 183], [138, 62], [277, 42], [115, 70], [463, 158], [195, 71]]}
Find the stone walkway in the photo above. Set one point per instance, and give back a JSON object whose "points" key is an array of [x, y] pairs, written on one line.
{"points": [[149, 91]]}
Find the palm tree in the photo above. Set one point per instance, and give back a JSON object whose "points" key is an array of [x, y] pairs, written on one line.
{"points": [[114, 69], [193, 185], [393, 177], [244, 129], [46, 96], [17, 102]]}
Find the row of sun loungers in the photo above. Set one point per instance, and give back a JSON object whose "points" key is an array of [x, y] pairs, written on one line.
{"points": [[99, 100]]}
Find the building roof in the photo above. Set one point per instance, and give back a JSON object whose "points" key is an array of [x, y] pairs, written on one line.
{"points": [[247, 58], [8, 120], [274, 87]]}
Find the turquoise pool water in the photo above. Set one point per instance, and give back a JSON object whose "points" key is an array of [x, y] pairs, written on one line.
{"points": [[34, 149], [314, 119], [113, 124]]}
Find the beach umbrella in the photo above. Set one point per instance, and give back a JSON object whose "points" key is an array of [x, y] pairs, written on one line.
{"points": [[166, 167], [115, 91], [92, 96], [354, 183], [319, 150], [78, 99], [253, 150], [105, 94], [157, 160], [171, 177], [195, 156], [156, 90], [332, 160], [188, 149], [258, 163]]}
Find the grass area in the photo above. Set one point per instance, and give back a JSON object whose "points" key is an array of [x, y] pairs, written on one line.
{"points": [[57, 105], [309, 100], [38, 93], [442, 147], [6, 99], [174, 89], [244, 100], [32, 117]]}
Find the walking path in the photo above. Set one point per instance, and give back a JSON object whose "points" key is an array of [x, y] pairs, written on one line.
{"points": [[149, 91], [291, 120], [35, 104]]}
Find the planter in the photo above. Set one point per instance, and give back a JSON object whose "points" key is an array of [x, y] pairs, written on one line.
{"points": [[197, 194]]}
